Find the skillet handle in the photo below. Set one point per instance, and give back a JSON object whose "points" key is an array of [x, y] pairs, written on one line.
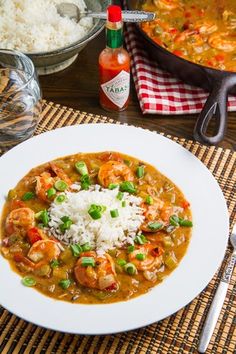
{"points": [[215, 108]]}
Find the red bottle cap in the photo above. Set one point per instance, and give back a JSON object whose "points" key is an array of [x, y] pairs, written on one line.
{"points": [[114, 13]]}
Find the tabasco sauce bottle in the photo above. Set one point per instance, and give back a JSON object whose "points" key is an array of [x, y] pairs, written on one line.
{"points": [[114, 65]]}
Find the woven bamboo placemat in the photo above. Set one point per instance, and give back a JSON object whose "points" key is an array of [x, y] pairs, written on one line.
{"points": [[178, 333]]}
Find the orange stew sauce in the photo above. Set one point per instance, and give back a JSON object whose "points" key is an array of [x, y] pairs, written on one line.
{"points": [[75, 272], [202, 31]]}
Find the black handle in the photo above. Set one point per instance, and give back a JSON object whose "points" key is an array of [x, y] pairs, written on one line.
{"points": [[215, 108]]}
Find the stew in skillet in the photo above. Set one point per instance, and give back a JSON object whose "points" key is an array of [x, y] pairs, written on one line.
{"points": [[202, 31]]}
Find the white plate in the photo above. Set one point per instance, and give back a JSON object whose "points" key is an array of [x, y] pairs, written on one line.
{"points": [[205, 252]]}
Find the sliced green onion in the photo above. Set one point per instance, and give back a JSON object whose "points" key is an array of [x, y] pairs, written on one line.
{"points": [[60, 185], [140, 239], [114, 213], [51, 192], [43, 217], [85, 182], [120, 196], [186, 223], [130, 268], [121, 262], [130, 248], [140, 171], [95, 211], [149, 200], [86, 247], [28, 196], [123, 204], [155, 225], [28, 281], [113, 186], [64, 283], [95, 214], [128, 187], [88, 261], [140, 256], [174, 220], [81, 168], [65, 226], [65, 218], [60, 199], [76, 249], [54, 263]]}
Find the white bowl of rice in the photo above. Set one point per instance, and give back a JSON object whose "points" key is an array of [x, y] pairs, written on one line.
{"points": [[51, 41]]}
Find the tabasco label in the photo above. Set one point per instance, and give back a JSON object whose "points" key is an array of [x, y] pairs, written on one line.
{"points": [[117, 89]]}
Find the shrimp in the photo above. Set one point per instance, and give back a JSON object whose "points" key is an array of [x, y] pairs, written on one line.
{"points": [[60, 173], [230, 19], [206, 28], [110, 155], [45, 181], [167, 4], [220, 41], [157, 211], [153, 257], [23, 262], [196, 35], [20, 220], [38, 257], [185, 34], [196, 38], [44, 251], [102, 276], [114, 172]]}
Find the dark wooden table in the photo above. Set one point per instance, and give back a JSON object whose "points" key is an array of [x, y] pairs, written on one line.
{"points": [[77, 87]]}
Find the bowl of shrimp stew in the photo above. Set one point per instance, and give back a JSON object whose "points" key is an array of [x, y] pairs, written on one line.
{"points": [[95, 228], [107, 224]]}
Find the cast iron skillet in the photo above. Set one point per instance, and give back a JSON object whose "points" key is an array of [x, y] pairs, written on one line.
{"points": [[218, 82]]}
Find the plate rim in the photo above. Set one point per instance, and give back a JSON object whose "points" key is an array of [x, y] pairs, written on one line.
{"points": [[125, 127]]}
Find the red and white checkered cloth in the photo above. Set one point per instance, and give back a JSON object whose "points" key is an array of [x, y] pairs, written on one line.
{"points": [[158, 92]]}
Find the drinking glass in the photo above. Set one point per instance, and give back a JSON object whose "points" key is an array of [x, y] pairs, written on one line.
{"points": [[20, 98]]}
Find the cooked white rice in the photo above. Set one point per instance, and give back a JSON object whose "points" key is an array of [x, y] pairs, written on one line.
{"points": [[35, 26], [102, 234]]}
